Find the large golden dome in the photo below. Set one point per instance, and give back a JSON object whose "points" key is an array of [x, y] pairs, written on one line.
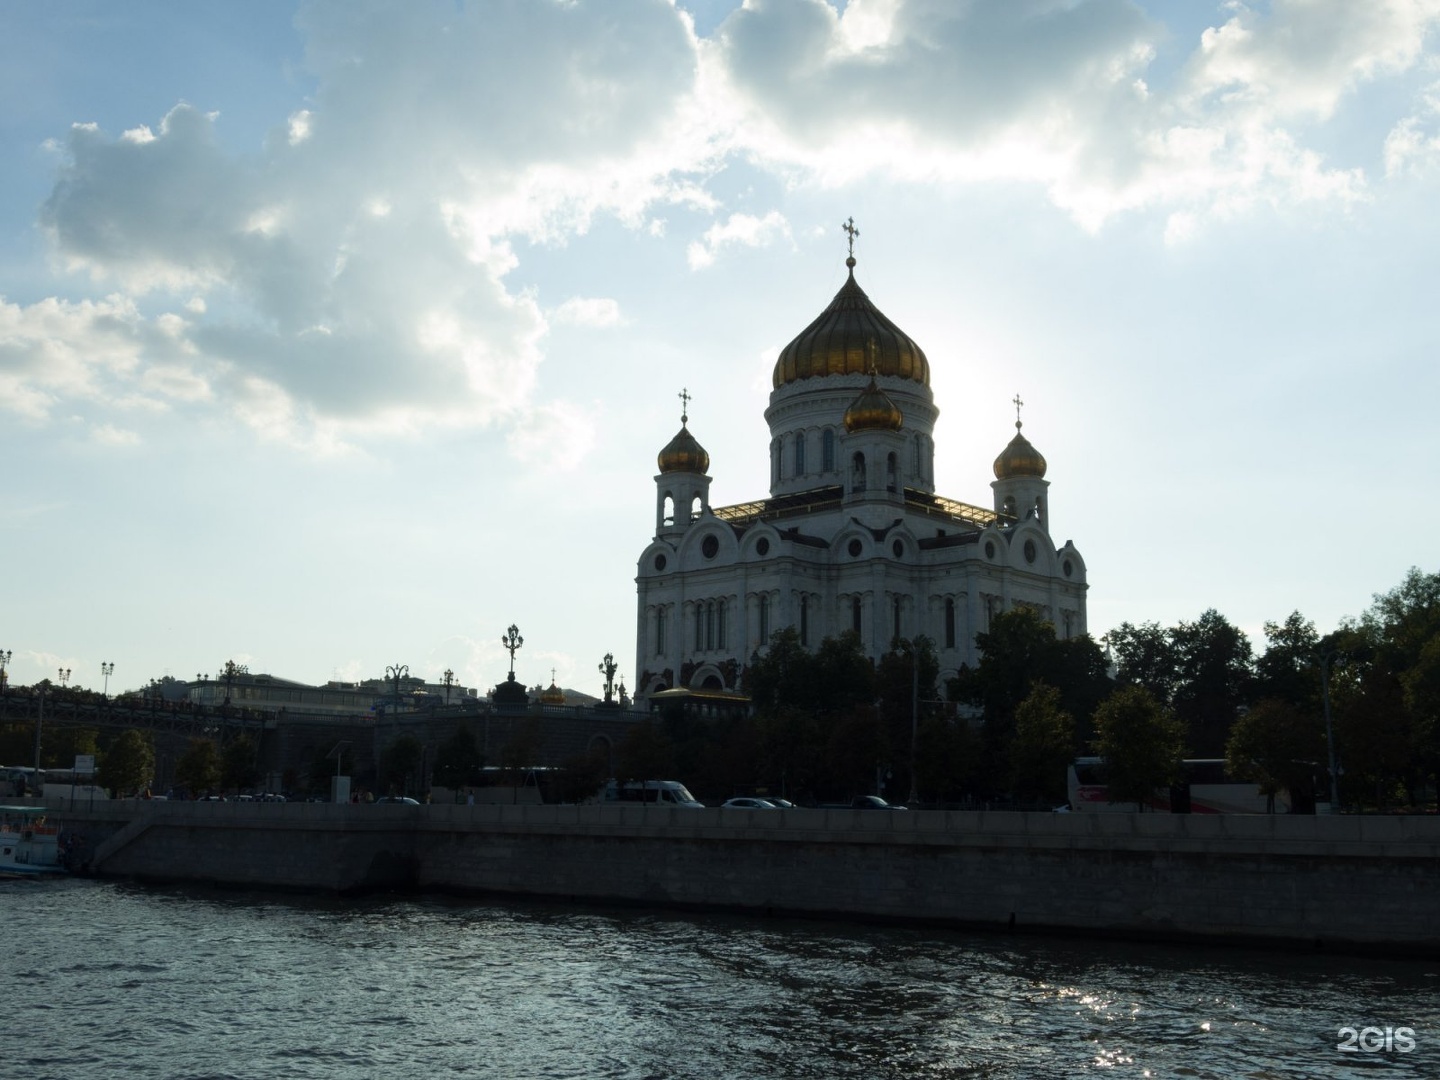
{"points": [[873, 411], [1019, 458], [851, 337], [684, 454]]}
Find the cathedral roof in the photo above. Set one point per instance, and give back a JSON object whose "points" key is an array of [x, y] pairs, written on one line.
{"points": [[851, 337], [1019, 458], [873, 411], [552, 695], [684, 454]]}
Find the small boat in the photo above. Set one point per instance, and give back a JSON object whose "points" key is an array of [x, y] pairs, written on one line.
{"points": [[30, 845]]}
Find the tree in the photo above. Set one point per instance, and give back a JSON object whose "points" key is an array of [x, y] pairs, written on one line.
{"points": [[1278, 747], [1142, 743], [457, 760], [128, 766], [400, 763], [1044, 746], [1288, 670], [198, 768], [644, 754], [1215, 669], [1019, 651], [237, 764], [1145, 656]]}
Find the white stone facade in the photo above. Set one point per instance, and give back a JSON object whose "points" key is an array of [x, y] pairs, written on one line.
{"points": [[853, 536]]}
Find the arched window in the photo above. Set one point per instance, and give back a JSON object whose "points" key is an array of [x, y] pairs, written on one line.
{"points": [[892, 473], [919, 468], [710, 625], [895, 608], [855, 614], [804, 620], [660, 631], [799, 453], [699, 627], [827, 450], [669, 510], [764, 619], [857, 472], [775, 462], [720, 625], [950, 622]]}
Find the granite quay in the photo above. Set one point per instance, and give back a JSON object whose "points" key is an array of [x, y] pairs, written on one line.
{"points": [[1366, 884]]}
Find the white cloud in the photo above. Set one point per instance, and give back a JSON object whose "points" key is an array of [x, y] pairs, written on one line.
{"points": [[739, 230], [553, 438], [587, 311]]}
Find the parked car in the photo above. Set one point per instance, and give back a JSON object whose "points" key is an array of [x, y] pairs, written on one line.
{"points": [[873, 802], [748, 803], [403, 799]]}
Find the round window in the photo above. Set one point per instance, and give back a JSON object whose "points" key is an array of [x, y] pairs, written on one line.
{"points": [[899, 549], [659, 562], [1029, 550], [1068, 568], [855, 548], [989, 549], [762, 546], [710, 546]]}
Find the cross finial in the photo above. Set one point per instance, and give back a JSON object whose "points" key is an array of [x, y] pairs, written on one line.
{"points": [[1018, 403], [849, 229], [684, 397]]}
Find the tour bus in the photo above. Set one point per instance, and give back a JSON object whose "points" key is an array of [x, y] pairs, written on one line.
{"points": [[662, 792], [1205, 788]]}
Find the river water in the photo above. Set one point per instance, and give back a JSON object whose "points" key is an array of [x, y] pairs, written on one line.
{"points": [[107, 980]]}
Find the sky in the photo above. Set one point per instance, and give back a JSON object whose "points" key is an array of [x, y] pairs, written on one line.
{"points": [[336, 336]]}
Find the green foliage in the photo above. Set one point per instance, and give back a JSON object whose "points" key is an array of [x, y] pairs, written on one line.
{"points": [[400, 764], [646, 753], [1289, 669], [458, 761], [237, 765], [1277, 746], [523, 749], [1044, 746], [1142, 743], [1215, 675], [128, 765], [198, 768]]}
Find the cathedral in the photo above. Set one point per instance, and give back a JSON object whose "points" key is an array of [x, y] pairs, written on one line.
{"points": [[853, 535]]}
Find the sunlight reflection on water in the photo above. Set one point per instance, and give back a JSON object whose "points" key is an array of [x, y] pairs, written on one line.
{"points": [[110, 980]]}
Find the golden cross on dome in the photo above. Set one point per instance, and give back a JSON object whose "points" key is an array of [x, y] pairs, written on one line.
{"points": [[1018, 403], [685, 400], [849, 229]]}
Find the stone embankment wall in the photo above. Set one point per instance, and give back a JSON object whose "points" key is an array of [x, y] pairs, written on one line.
{"points": [[1353, 882]]}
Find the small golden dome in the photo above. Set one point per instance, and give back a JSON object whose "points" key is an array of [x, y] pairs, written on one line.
{"points": [[684, 454], [1019, 458], [851, 337], [552, 695], [873, 411]]}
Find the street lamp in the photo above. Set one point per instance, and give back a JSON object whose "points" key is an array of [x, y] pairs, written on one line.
{"points": [[107, 669], [396, 672], [5, 655], [1327, 657], [607, 668], [511, 641], [64, 677], [449, 680]]}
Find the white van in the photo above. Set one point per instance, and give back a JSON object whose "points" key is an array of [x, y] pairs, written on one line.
{"points": [[661, 792]]}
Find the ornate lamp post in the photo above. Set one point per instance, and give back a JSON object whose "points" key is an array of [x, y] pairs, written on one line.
{"points": [[5, 655], [107, 669], [608, 668], [64, 676], [449, 681], [396, 672], [510, 642], [228, 673], [1327, 658]]}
